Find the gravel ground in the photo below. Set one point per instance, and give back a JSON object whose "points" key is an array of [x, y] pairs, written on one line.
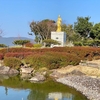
{"points": [[90, 87]]}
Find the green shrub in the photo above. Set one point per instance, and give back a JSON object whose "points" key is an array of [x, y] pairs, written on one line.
{"points": [[36, 61], [78, 43], [55, 60], [37, 45], [50, 41], [88, 42], [52, 60], [3, 45], [12, 62], [20, 42], [63, 59]]}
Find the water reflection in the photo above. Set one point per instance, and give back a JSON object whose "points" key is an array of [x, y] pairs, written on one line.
{"points": [[60, 96], [55, 95], [13, 94], [14, 88], [37, 95], [6, 90]]}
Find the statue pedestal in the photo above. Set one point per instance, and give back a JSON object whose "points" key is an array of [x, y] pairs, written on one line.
{"points": [[60, 37]]}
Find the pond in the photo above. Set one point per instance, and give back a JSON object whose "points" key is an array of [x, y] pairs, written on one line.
{"points": [[14, 88]]}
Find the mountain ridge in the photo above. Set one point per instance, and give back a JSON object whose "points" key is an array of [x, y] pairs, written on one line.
{"points": [[8, 41]]}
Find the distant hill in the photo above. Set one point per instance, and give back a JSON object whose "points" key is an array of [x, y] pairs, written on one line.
{"points": [[9, 40]]}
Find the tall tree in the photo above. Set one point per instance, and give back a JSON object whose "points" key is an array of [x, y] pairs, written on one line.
{"points": [[83, 26], [42, 29], [71, 35], [95, 32], [68, 29]]}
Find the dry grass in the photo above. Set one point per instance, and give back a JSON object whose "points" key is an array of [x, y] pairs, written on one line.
{"points": [[90, 71]]}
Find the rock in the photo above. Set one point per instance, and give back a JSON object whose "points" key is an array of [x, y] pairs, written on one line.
{"points": [[26, 70], [44, 73], [90, 64], [83, 63], [38, 78], [56, 74], [13, 71], [93, 65], [75, 72], [6, 70]]}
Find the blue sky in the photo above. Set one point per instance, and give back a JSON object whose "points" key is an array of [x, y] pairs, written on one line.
{"points": [[16, 15]]}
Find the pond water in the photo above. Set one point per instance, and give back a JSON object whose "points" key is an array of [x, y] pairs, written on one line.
{"points": [[14, 88]]}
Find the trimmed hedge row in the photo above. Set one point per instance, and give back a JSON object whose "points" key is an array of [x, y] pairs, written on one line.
{"points": [[20, 55], [82, 52], [49, 57], [55, 49]]}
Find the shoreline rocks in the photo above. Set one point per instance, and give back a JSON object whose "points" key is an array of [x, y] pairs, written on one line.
{"points": [[90, 87], [7, 70]]}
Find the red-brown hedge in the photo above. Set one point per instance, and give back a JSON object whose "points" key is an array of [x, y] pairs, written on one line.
{"points": [[20, 55], [81, 52], [1, 56], [52, 60], [28, 44]]}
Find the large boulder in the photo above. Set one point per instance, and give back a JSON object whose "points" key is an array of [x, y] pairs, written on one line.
{"points": [[13, 71], [4, 70], [7, 70], [26, 70]]}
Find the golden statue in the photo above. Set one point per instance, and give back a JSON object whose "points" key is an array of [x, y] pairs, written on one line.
{"points": [[59, 20]]}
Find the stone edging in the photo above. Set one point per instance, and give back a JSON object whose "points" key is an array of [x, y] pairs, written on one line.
{"points": [[90, 87]]}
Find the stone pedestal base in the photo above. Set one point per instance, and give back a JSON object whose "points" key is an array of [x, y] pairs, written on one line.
{"points": [[60, 37]]}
